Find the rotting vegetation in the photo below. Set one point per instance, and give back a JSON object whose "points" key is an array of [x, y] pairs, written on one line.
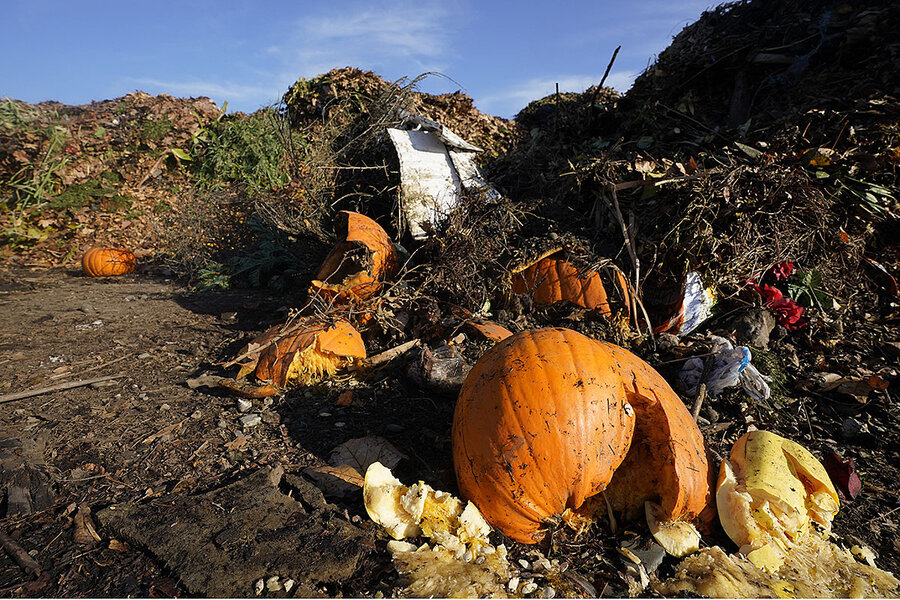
{"points": [[767, 133]]}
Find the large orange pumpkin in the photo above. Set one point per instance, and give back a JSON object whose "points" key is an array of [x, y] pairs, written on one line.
{"points": [[552, 279], [108, 262], [542, 422], [358, 264]]}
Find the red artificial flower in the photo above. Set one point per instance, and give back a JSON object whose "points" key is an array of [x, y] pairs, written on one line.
{"points": [[782, 270], [788, 313]]}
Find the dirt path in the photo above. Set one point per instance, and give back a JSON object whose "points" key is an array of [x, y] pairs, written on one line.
{"points": [[136, 437]]}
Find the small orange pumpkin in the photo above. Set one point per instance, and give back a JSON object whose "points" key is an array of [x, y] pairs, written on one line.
{"points": [[359, 263], [552, 279], [305, 354], [541, 423], [108, 262]]}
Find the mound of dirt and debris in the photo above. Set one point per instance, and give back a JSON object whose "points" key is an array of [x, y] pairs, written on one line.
{"points": [[249, 411]]}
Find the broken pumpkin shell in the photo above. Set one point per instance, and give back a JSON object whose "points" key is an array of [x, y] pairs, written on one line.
{"points": [[552, 279], [419, 509], [541, 423], [306, 354], [358, 264], [488, 329], [770, 490], [667, 463], [666, 475], [108, 262]]}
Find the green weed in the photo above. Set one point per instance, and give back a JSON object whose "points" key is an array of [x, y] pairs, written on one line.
{"points": [[152, 130], [214, 276], [245, 150]]}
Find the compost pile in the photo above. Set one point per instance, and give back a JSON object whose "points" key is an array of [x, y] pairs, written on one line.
{"points": [[732, 221]]}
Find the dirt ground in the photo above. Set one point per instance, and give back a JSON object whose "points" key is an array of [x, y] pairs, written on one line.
{"points": [[161, 453]]}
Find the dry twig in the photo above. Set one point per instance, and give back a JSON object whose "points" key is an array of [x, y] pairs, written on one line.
{"points": [[55, 388], [18, 554]]}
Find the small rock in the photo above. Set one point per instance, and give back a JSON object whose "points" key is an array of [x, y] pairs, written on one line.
{"points": [[288, 585], [648, 551], [244, 405], [162, 407], [852, 428], [394, 428], [524, 563], [754, 328], [513, 584], [273, 584], [228, 317], [324, 415], [529, 587], [144, 355], [222, 424], [340, 424], [251, 420], [258, 588], [549, 592], [197, 415]]}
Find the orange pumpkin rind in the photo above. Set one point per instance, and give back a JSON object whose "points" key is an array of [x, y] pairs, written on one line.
{"points": [[551, 279], [359, 263], [304, 355]]}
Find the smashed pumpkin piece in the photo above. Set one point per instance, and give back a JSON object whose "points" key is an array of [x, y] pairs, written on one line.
{"points": [[303, 355], [428, 572], [769, 493], [552, 279], [816, 569], [488, 329], [666, 475], [359, 263], [421, 510], [461, 563]]}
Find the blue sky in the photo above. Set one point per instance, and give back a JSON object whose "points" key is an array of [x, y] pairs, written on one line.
{"points": [[503, 54]]}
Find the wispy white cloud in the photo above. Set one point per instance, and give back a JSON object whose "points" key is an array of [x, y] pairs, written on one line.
{"points": [[508, 102], [412, 38], [219, 91]]}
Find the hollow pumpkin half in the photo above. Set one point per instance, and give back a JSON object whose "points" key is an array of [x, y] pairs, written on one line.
{"points": [[303, 355], [770, 491], [666, 475], [551, 279], [359, 263], [541, 423]]}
